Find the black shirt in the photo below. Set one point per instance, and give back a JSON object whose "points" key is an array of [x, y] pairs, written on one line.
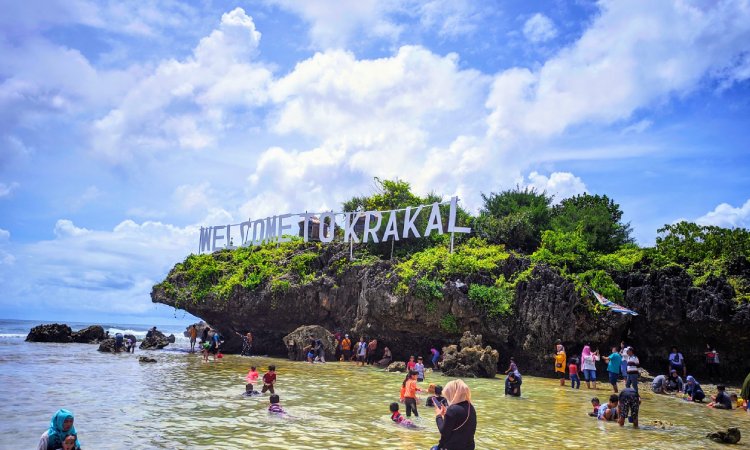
{"points": [[723, 399], [458, 427]]}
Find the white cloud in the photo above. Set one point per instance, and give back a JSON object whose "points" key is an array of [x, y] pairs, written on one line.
{"points": [[561, 185], [539, 28], [183, 104], [638, 127], [4, 235], [191, 197], [634, 53], [7, 189], [451, 18], [333, 23], [728, 216]]}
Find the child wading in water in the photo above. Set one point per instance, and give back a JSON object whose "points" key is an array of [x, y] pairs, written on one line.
{"points": [[275, 407], [410, 393], [252, 375], [249, 392], [596, 404], [575, 380], [410, 364], [269, 379], [419, 368], [398, 418]]}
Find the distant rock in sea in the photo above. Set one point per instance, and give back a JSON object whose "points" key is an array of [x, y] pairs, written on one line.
{"points": [[155, 340], [62, 333], [55, 332], [146, 359]]}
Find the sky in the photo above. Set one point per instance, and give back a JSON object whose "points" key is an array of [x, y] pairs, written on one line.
{"points": [[127, 125]]}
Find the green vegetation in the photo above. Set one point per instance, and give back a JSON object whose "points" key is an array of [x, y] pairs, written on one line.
{"points": [[515, 218], [497, 300], [449, 324]]}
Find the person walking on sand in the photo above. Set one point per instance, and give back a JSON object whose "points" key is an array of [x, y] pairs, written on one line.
{"points": [[193, 334]]}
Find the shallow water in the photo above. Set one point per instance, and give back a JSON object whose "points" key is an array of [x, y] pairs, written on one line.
{"points": [[181, 402]]}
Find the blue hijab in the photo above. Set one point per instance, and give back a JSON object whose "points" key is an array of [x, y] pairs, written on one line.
{"points": [[55, 434]]}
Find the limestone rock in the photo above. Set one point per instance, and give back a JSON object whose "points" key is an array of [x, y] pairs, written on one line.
{"points": [[171, 338], [397, 366], [146, 359], [50, 333], [90, 335], [472, 360], [107, 345], [731, 436], [300, 338], [155, 340]]}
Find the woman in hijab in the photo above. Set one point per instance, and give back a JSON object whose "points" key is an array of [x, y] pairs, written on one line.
{"points": [[693, 390], [457, 423], [588, 361], [60, 427]]}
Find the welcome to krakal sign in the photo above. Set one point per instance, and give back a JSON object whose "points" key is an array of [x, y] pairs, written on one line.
{"points": [[361, 226]]}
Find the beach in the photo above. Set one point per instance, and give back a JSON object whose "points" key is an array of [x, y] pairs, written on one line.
{"points": [[181, 402]]}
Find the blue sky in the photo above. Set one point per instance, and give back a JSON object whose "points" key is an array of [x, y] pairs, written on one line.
{"points": [[126, 125]]}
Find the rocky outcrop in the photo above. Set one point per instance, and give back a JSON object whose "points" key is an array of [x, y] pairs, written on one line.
{"points": [[472, 360], [300, 338], [731, 436], [398, 366], [146, 359], [363, 301], [55, 332], [154, 340], [90, 335], [107, 346], [63, 333]]}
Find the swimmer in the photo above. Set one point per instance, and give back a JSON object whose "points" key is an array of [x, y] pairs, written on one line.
{"points": [[274, 407], [398, 418], [249, 392]]}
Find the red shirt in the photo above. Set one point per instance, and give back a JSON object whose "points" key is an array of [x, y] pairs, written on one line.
{"points": [[573, 369], [269, 378], [410, 365]]}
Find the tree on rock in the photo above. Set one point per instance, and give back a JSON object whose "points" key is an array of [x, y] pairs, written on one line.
{"points": [[515, 217], [597, 217]]}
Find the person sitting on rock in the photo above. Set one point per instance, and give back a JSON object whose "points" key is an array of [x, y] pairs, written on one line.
{"points": [[721, 400], [608, 412], [438, 398], [513, 384], [386, 359], [274, 407], [249, 392], [693, 390]]}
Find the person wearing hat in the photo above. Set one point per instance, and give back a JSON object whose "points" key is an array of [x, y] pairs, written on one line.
{"points": [[632, 369], [346, 347]]}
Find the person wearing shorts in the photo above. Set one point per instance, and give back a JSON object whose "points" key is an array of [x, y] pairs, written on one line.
{"points": [[614, 361], [628, 406]]}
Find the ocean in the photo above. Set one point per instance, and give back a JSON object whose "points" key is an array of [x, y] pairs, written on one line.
{"points": [[180, 402]]}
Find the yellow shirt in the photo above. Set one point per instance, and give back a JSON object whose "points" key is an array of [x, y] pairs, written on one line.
{"points": [[560, 359]]}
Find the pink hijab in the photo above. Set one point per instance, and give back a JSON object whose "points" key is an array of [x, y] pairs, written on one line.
{"points": [[586, 352]]}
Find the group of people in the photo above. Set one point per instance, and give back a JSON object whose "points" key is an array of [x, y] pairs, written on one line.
{"points": [[623, 363]]}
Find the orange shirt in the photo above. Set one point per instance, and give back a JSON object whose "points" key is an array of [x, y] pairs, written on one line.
{"points": [[346, 344], [560, 358], [403, 389], [411, 389]]}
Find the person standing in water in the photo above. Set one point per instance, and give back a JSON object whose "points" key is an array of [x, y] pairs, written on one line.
{"points": [[457, 423], [632, 370], [588, 361], [560, 360], [614, 362], [193, 334], [60, 428]]}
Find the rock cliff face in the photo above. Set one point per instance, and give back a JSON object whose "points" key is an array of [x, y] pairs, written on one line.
{"points": [[361, 301]]}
